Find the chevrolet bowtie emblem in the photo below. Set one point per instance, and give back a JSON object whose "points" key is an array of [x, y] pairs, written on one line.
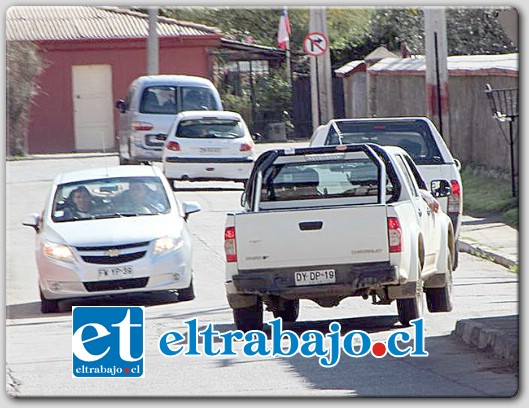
{"points": [[112, 252]]}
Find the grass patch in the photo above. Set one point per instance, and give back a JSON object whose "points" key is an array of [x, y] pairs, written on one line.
{"points": [[484, 196]]}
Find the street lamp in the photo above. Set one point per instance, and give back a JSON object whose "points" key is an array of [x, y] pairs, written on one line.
{"points": [[504, 105]]}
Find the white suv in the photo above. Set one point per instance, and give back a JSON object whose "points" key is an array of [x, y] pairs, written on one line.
{"points": [[149, 109], [419, 137]]}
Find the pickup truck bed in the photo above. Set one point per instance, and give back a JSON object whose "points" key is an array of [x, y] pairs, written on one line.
{"points": [[328, 223]]}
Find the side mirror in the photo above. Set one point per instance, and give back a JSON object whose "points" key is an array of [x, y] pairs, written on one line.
{"points": [[121, 105], [458, 164], [32, 220], [440, 188], [243, 199], [190, 207]]}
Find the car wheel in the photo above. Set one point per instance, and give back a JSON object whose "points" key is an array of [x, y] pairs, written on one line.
{"points": [[48, 305], [249, 318], [441, 299], [412, 308], [290, 311], [186, 294]]}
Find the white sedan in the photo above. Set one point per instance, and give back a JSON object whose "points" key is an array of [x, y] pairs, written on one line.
{"points": [[111, 231], [208, 145]]}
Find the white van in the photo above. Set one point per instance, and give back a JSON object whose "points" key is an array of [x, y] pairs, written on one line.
{"points": [[150, 107]]}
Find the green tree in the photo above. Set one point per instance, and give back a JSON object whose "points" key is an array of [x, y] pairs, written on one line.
{"points": [[355, 31], [469, 31], [23, 65], [475, 31]]}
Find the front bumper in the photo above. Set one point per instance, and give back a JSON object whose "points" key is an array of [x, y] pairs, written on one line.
{"points": [[61, 280], [351, 280]]}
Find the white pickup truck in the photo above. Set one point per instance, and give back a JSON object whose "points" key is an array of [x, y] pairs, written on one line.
{"points": [[327, 223]]}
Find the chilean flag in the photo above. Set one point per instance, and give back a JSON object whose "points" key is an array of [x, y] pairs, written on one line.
{"points": [[284, 30]]}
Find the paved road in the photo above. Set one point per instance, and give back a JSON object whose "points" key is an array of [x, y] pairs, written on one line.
{"points": [[37, 345]]}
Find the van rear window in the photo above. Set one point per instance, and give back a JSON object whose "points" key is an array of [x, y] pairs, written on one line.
{"points": [[170, 100]]}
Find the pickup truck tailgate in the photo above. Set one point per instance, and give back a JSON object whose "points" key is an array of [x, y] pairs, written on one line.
{"points": [[326, 236]]}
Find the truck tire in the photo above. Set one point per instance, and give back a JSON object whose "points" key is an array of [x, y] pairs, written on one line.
{"points": [[48, 305], [186, 294], [441, 299], [290, 311], [412, 308], [249, 318]]}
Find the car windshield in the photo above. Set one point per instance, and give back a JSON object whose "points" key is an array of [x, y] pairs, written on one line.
{"points": [[414, 137], [210, 128], [110, 198]]}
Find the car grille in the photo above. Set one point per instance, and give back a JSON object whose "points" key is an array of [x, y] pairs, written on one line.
{"points": [[113, 260], [116, 284], [113, 254]]}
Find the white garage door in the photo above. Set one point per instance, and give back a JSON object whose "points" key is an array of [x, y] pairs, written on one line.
{"points": [[93, 107]]}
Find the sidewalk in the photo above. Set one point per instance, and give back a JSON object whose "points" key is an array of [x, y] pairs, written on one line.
{"points": [[489, 239], [498, 243]]}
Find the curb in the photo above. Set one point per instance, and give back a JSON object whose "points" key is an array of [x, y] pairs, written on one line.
{"points": [[489, 339], [484, 252], [56, 156]]}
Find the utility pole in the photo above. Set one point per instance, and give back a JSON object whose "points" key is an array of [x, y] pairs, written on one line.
{"points": [[437, 107], [320, 73], [152, 43]]}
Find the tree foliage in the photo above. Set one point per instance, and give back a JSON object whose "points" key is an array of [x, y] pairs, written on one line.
{"points": [[469, 31], [23, 65], [353, 33], [253, 25], [356, 31], [474, 31]]}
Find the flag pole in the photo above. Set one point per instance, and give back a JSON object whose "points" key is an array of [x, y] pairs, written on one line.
{"points": [[289, 71], [283, 40]]}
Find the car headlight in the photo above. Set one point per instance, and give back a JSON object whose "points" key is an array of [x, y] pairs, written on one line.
{"points": [[166, 244], [58, 251]]}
